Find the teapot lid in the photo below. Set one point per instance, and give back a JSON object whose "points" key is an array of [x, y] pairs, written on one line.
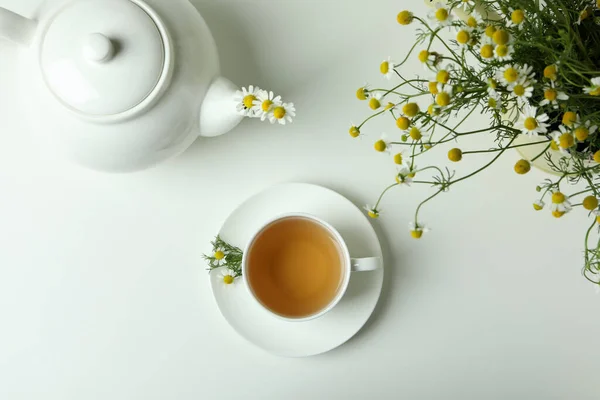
{"points": [[106, 59]]}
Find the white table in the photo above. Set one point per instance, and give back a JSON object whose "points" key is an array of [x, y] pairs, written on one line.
{"points": [[103, 294]]}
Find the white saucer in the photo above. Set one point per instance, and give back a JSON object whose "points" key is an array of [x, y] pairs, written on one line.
{"points": [[300, 339]]}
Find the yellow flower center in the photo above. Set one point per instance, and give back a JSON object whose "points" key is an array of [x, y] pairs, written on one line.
{"points": [[502, 50], [519, 90], [374, 103], [380, 145], [403, 123], [517, 16], [537, 206], [595, 92], [389, 106], [492, 103], [472, 22], [550, 72], [557, 214], [442, 99], [597, 156], [582, 133], [550, 94], [558, 198], [490, 30], [410, 109], [455, 155], [373, 214], [487, 51], [585, 14], [249, 100], [404, 17], [569, 118], [415, 133], [443, 76], [361, 94], [433, 88], [384, 67], [416, 234], [398, 159], [354, 131], [219, 255], [566, 140], [511, 74], [492, 83], [228, 279], [433, 110], [423, 56], [522, 167], [441, 14], [463, 37], [266, 105], [279, 112], [530, 123], [501, 37], [553, 145], [590, 203]]}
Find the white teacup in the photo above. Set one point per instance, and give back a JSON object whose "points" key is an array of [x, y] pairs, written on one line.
{"points": [[347, 264]]}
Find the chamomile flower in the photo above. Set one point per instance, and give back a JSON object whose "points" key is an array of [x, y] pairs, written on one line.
{"points": [[486, 50], [387, 68], [564, 138], [551, 97], [362, 93], [443, 74], [594, 89], [551, 72], [474, 20], [530, 123], [583, 131], [560, 204], [444, 96], [375, 101], [434, 111], [417, 230], [466, 5], [372, 212], [264, 104], [464, 35], [494, 102], [403, 177], [521, 91], [504, 52], [585, 14], [517, 18], [219, 256], [383, 145], [441, 16], [429, 59], [509, 74], [282, 113], [246, 98], [492, 88], [354, 130], [228, 276], [539, 205], [526, 73]]}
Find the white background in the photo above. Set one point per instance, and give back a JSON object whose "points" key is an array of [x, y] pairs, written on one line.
{"points": [[103, 294]]}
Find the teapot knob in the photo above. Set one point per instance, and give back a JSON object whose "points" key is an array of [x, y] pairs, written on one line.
{"points": [[98, 48]]}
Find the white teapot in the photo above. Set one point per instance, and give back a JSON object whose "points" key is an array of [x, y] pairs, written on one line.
{"points": [[120, 85]]}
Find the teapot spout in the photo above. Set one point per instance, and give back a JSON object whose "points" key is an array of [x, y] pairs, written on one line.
{"points": [[218, 114], [16, 28]]}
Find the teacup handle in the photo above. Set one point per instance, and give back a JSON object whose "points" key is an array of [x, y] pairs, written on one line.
{"points": [[365, 264]]}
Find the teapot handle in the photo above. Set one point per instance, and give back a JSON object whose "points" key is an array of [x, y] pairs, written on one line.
{"points": [[218, 114], [16, 28]]}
